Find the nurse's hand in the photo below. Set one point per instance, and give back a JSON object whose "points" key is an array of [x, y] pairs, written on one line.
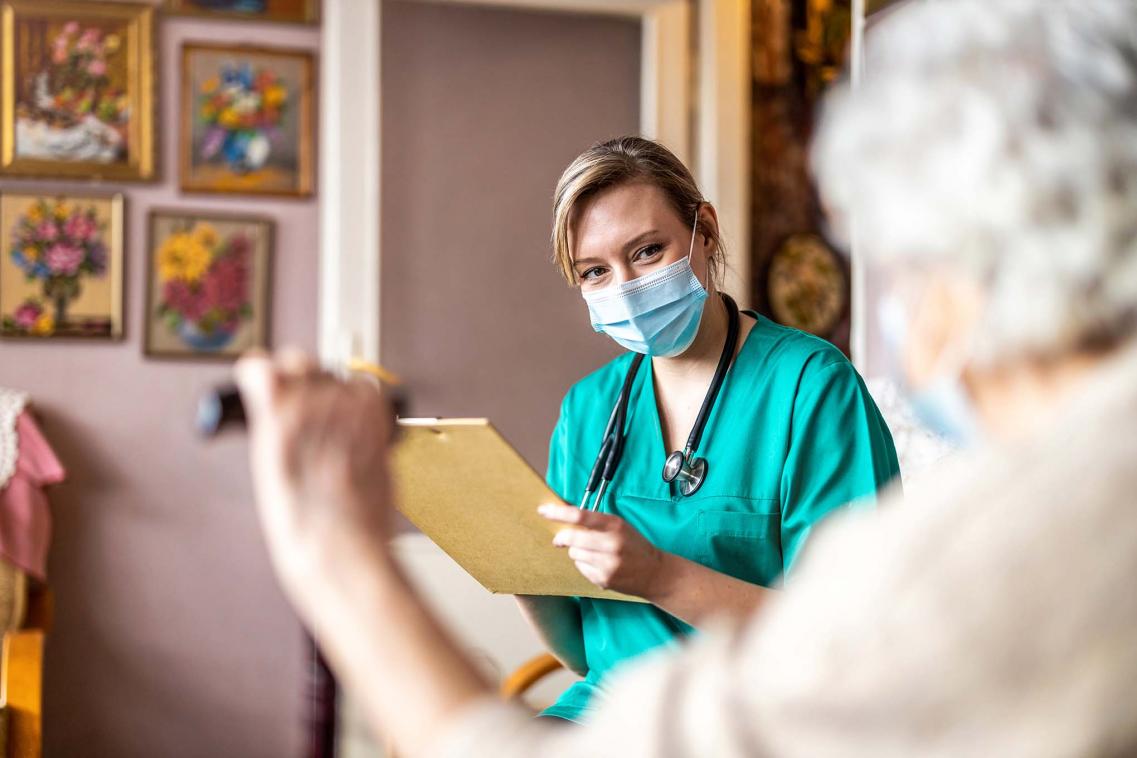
{"points": [[607, 550]]}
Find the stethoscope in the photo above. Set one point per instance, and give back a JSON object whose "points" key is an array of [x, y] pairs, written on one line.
{"points": [[681, 465]]}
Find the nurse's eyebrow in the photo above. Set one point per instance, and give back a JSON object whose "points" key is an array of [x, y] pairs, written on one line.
{"points": [[629, 246], [636, 241], [587, 260]]}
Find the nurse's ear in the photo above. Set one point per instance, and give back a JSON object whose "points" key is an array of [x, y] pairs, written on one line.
{"points": [[707, 233], [708, 256]]}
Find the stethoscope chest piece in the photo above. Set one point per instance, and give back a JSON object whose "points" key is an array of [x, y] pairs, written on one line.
{"points": [[690, 473]]}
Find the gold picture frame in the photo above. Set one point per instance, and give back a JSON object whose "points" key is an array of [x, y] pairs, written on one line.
{"points": [[77, 90], [268, 149], [62, 264], [281, 11]]}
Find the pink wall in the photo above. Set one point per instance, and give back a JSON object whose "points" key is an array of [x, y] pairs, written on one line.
{"points": [[170, 636]]}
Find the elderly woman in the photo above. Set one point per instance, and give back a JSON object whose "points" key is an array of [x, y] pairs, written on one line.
{"points": [[991, 166]]}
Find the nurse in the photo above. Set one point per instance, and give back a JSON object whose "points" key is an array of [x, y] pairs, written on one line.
{"points": [[792, 436]]}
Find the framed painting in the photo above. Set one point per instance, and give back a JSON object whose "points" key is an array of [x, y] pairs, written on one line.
{"points": [[247, 120], [77, 90], [207, 284], [61, 266], [289, 11]]}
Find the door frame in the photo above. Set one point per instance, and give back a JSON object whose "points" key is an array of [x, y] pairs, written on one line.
{"points": [[350, 185]]}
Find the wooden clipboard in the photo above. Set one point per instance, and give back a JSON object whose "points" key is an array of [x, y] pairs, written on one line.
{"points": [[464, 486]]}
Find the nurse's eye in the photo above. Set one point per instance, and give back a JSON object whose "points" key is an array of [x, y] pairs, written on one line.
{"points": [[593, 273], [647, 253]]}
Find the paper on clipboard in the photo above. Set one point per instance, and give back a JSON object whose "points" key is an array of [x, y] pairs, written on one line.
{"points": [[466, 488]]}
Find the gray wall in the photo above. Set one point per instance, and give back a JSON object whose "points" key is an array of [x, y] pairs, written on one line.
{"points": [[482, 110]]}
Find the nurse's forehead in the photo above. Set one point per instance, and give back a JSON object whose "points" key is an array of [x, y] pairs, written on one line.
{"points": [[616, 215]]}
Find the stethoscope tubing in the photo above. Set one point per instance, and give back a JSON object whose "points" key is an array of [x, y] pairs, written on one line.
{"points": [[612, 445], [612, 448]]}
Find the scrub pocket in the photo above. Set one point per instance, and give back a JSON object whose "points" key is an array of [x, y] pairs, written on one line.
{"points": [[743, 545]]}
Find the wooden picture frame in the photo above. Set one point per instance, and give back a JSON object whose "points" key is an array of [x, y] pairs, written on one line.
{"points": [[62, 265], [208, 284], [280, 11], [247, 120], [77, 90]]}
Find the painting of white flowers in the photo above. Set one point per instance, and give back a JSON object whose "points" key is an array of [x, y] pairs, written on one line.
{"points": [[77, 90], [247, 118]]}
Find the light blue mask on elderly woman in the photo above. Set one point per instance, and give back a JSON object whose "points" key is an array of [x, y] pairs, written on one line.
{"points": [[943, 405], [657, 314]]}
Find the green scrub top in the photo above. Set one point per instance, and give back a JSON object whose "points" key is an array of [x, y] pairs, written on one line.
{"points": [[793, 436]]}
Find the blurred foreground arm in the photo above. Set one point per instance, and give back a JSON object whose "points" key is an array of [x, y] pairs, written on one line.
{"points": [[318, 450]]}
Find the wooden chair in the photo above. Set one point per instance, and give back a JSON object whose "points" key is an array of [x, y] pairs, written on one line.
{"points": [[528, 674], [21, 680]]}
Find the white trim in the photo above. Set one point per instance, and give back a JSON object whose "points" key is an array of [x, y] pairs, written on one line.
{"points": [[723, 162], [665, 76], [858, 283], [349, 185], [349, 308]]}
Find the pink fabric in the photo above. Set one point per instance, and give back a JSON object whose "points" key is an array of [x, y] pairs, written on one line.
{"points": [[25, 520]]}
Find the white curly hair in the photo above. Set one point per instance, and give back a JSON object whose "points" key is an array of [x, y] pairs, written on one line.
{"points": [[1000, 136]]}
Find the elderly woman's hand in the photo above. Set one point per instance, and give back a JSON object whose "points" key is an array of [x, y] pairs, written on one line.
{"points": [[607, 550], [318, 450]]}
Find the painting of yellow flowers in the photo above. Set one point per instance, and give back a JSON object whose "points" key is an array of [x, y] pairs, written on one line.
{"points": [[247, 116], [207, 284], [61, 266], [77, 89]]}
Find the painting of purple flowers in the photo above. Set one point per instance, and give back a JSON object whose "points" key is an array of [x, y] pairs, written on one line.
{"points": [[247, 120], [208, 284], [61, 266]]}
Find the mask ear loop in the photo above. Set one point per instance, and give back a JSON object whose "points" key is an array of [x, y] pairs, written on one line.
{"points": [[691, 249], [694, 230]]}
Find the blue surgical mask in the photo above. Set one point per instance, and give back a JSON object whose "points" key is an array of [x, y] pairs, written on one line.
{"points": [[657, 314], [943, 405]]}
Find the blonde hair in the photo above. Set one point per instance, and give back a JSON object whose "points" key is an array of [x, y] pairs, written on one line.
{"points": [[621, 161]]}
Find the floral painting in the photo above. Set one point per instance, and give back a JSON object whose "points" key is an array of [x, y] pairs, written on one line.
{"points": [[208, 284], [247, 120], [77, 92], [60, 266], [298, 11]]}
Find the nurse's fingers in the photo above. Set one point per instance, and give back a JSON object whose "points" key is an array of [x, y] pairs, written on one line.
{"points": [[599, 577], [604, 541], [600, 559], [567, 514]]}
